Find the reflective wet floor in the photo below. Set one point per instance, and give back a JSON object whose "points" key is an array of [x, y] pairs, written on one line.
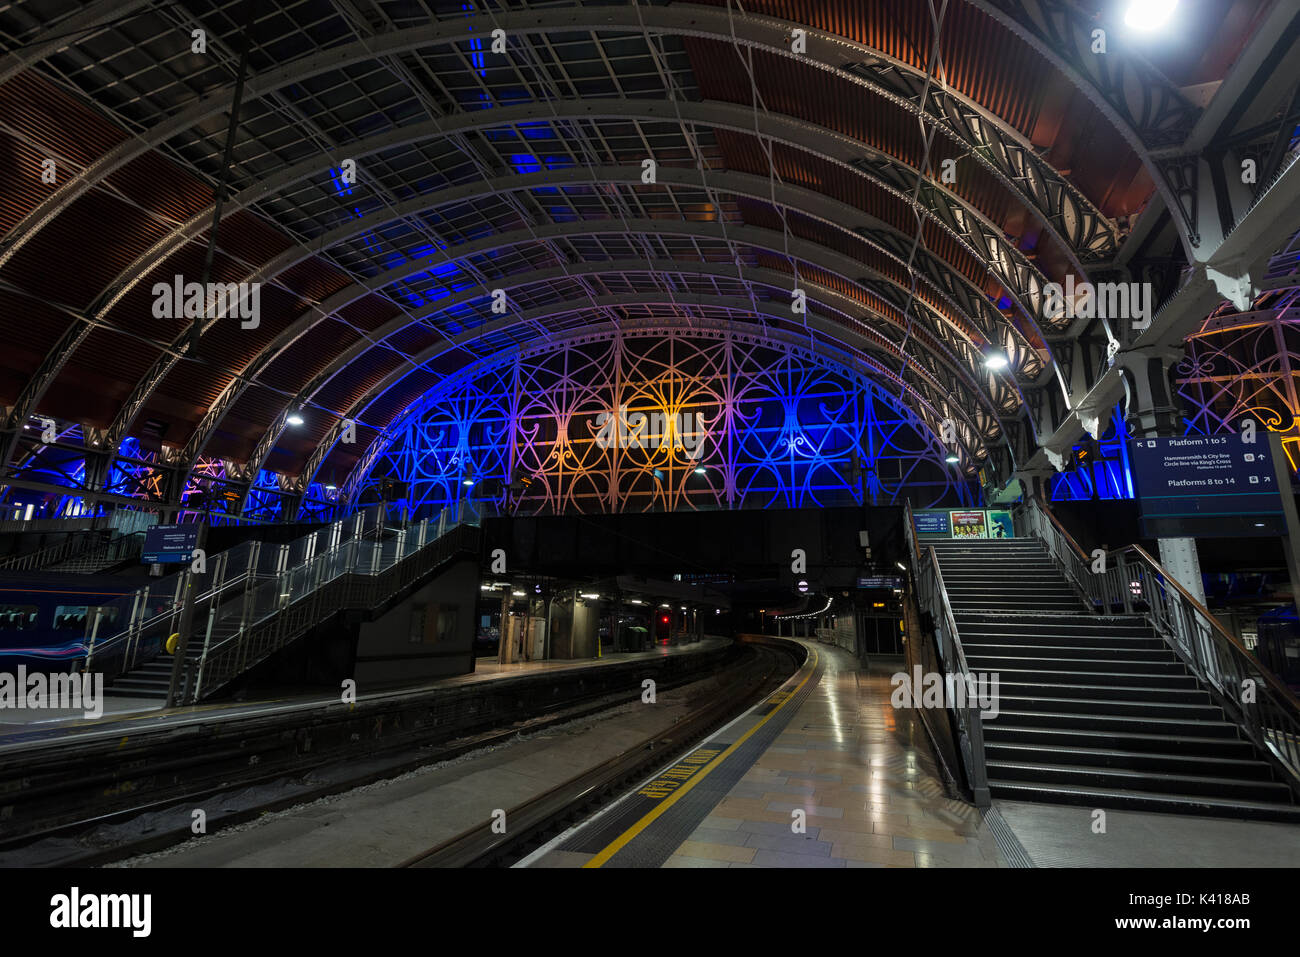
{"points": [[844, 780]]}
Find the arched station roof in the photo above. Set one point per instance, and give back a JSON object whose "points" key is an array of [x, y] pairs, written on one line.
{"points": [[919, 170]]}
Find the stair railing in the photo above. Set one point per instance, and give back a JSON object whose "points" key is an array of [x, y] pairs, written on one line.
{"points": [[932, 597], [76, 543], [147, 616], [1131, 582], [356, 571], [1071, 559]]}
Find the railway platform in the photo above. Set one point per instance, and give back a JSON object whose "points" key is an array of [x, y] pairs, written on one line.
{"points": [[127, 714], [827, 773]]}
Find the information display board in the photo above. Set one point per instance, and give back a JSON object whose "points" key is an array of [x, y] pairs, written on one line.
{"points": [[168, 544], [932, 522], [1207, 486], [881, 581]]}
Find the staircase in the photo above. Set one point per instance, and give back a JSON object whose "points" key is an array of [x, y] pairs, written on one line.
{"points": [[152, 680], [92, 560], [258, 600], [83, 553], [1097, 711]]}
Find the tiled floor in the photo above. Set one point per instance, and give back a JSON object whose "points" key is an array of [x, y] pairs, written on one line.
{"points": [[863, 775], [1062, 836]]}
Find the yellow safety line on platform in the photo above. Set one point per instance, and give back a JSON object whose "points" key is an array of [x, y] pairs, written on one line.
{"points": [[622, 840]]}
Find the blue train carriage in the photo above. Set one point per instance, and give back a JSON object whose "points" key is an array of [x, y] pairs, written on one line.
{"points": [[46, 618]]}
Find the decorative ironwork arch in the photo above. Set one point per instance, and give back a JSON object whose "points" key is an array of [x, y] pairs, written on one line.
{"points": [[661, 420]]}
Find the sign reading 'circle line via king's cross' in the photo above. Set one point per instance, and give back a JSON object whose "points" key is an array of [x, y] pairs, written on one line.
{"points": [[1207, 486]]}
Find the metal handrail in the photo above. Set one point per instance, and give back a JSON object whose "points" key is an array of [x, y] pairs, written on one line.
{"points": [[1131, 582], [340, 577], [75, 543], [932, 596], [1062, 547], [207, 597]]}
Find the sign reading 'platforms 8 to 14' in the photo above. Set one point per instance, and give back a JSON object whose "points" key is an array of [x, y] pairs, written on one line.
{"points": [[164, 544], [1206, 486]]}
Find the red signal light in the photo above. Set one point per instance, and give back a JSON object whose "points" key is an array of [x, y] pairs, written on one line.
{"points": [[664, 619]]}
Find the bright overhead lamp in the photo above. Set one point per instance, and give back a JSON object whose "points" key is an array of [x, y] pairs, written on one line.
{"points": [[1146, 15], [995, 361], [517, 594], [952, 458], [468, 482], [293, 419]]}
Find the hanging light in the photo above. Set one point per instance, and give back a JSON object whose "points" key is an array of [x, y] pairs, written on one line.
{"points": [[1148, 15], [995, 361]]}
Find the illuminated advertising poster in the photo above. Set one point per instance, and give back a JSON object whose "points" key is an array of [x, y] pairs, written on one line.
{"points": [[1000, 525], [969, 525]]}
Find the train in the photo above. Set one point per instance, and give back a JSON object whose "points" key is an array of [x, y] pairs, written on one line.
{"points": [[46, 618]]}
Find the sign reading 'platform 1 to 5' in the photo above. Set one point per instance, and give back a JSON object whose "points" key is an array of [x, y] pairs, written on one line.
{"points": [[1207, 486], [164, 544]]}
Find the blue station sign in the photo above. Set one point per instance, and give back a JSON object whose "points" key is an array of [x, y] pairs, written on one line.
{"points": [[1207, 486], [168, 544]]}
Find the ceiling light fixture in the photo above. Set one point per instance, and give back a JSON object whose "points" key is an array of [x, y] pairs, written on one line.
{"points": [[1147, 15], [995, 361]]}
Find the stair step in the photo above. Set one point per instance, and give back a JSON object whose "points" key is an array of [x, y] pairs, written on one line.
{"points": [[1078, 619], [1188, 744], [140, 684], [981, 595], [1024, 662], [1189, 695], [1110, 798], [1132, 760], [1026, 650], [968, 559], [993, 634], [1125, 779], [1075, 720], [1112, 678], [1002, 607], [1110, 707]]}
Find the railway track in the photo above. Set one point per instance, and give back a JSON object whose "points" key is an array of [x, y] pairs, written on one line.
{"points": [[534, 822], [185, 774]]}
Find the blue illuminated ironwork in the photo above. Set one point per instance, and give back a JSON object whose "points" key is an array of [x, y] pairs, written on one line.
{"points": [[1107, 476], [782, 427], [265, 500]]}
